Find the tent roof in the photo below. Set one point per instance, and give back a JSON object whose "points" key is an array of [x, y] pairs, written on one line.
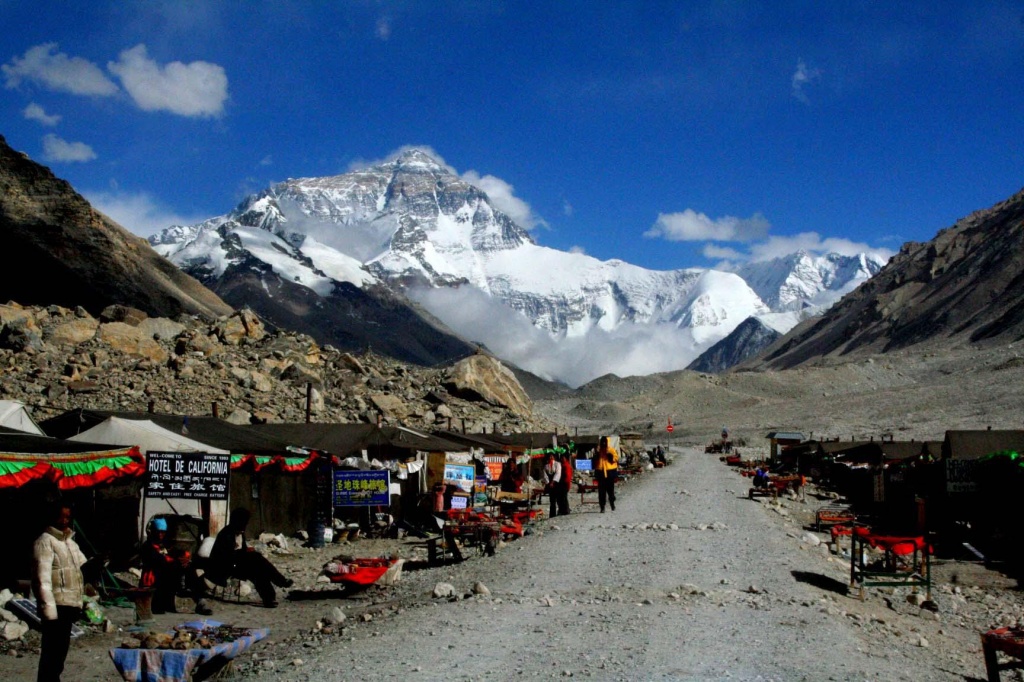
{"points": [[14, 415], [211, 431], [145, 434], [346, 440], [977, 444]]}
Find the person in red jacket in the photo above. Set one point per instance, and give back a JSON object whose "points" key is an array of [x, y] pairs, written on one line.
{"points": [[162, 569], [566, 486]]}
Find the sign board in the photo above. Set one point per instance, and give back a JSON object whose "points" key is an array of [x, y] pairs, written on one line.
{"points": [[459, 502], [480, 491], [461, 476], [187, 475], [584, 464], [960, 476], [355, 488]]}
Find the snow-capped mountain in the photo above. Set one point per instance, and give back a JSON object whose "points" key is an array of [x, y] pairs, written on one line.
{"points": [[413, 226], [801, 279]]}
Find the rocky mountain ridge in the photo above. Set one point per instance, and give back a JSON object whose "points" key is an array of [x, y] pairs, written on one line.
{"points": [[55, 358], [965, 286], [62, 251]]}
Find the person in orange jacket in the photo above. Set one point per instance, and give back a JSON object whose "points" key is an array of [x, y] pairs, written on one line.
{"points": [[606, 470]]}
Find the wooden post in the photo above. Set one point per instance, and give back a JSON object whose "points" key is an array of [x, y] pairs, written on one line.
{"points": [[215, 409], [151, 408], [309, 401]]}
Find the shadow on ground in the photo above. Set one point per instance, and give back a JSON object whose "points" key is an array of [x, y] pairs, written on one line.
{"points": [[820, 581]]}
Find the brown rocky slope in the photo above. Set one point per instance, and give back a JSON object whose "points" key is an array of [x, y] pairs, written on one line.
{"points": [[965, 286], [65, 252]]}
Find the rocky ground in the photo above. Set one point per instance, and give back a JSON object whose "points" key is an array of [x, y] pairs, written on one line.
{"points": [[686, 579], [54, 359], [911, 395]]}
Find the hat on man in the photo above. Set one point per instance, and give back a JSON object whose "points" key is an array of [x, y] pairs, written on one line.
{"points": [[160, 524]]}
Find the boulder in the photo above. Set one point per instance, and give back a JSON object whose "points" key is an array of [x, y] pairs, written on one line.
{"points": [[73, 332], [392, 407], [353, 364], [481, 377], [20, 335], [442, 590], [241, 325], [122, 313], [13, 631], [131, 341], [161, 328]]}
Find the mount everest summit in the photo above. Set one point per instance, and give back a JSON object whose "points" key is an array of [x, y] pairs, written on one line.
{"points": [[412, 229]]}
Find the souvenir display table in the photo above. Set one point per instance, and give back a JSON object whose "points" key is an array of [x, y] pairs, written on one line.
{"points": [[194, 651], [1009, 641], [905, 562]]}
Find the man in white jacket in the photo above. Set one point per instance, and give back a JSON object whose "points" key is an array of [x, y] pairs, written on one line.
{"points": [[59, 588]]}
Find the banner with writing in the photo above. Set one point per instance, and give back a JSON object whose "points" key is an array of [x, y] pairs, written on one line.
{"points": [[187, 475], [354, 488]]}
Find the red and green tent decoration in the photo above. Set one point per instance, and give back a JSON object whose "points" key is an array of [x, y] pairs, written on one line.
{"points": [[70, 470], [293, 463]]}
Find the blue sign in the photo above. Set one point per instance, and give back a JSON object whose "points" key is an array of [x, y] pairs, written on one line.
{"points": [[354, 488], [584, 465]]}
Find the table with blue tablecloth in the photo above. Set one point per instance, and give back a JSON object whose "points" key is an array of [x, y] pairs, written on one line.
{"points": [[179, 665]]}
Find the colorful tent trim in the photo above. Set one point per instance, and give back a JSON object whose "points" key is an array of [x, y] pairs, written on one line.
{"points": [[286, 463], [70, 471], [1004, 454]]}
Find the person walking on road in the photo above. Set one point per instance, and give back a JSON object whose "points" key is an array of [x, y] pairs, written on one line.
{"points": [[59, 587], [552, 483], [606, 470]]}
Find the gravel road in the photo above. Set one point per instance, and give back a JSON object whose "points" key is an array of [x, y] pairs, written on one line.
{"points": [[625, 596]]}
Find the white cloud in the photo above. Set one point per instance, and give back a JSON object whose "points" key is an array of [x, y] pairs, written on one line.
{"points": [[578, 249], [802, 77], [383, 30], [502, 194], [57, 150], [627, 351], [267, 160], [724, 252], [55, 70], [34, 112], [197, 89], [139, 213], [567, 209], [691, 226], [812, 242]]}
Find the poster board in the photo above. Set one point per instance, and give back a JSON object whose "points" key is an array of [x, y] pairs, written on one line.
{"points": [[461, 476], [356, 488], [187, 475], [584, 464]]}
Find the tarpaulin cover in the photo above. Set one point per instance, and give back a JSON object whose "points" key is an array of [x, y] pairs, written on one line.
{"points": [[171, 665], [70, 471]]}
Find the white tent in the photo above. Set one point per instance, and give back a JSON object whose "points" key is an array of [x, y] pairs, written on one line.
{"points": [[14, 415], [151, 437]]}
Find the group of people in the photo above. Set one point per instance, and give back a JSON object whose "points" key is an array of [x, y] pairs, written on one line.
{"points": [[59, 584], [558, 473]]}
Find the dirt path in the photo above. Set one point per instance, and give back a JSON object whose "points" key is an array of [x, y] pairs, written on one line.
{"points": [[687, 579]]}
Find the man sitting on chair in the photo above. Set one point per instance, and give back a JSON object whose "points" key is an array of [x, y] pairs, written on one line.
{"points": [[231, 557]]}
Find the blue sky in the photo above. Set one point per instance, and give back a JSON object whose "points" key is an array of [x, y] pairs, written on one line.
{"points": [[666, 134]]}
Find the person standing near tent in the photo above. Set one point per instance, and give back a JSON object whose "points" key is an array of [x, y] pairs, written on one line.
{"points": [[231, 557], [566, 485], [511, 479], [59, 587], [552, 483], [606, 470], [162, 569]]}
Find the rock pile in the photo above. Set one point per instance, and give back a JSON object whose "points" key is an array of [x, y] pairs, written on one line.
{"points": [[54, 359]]}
